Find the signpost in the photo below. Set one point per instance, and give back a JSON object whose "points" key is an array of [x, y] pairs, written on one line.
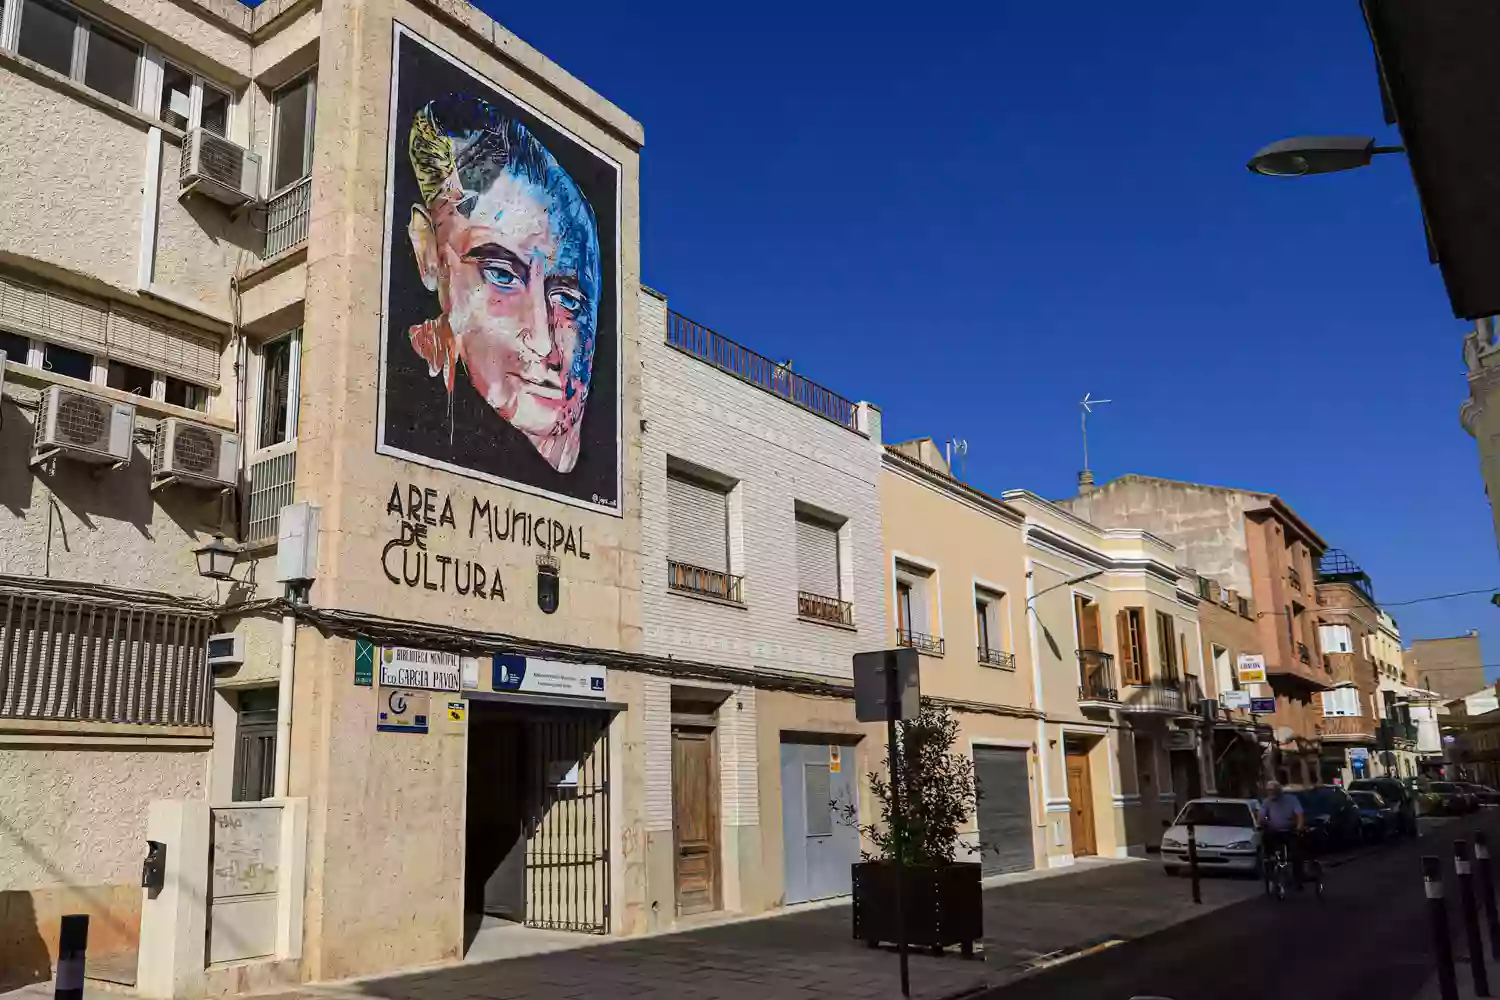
{"points": [[886, 687], [1262, 706]]}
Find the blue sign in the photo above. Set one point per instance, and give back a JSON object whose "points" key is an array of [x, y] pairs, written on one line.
{"points": [[1262, 706]]}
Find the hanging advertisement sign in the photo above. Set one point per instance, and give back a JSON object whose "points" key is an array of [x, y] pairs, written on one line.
{"points": [[1252, 668]]}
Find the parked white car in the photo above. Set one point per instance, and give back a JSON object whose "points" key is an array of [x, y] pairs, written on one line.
{"points": [[1227, 832]]}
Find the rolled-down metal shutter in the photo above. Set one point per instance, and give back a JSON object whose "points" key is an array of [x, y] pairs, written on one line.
{"points": [[697, 524], [817, 558], [1004, 810]]}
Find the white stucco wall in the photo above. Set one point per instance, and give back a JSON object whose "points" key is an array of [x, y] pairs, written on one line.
{"points": [[57, 825]]}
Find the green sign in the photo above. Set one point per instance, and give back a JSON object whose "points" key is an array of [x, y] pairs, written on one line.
{"points": [[364, 663]]}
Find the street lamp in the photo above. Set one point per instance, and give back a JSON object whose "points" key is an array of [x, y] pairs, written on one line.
{"points": [[216, 559], [1065, 583], [1317, 154]]}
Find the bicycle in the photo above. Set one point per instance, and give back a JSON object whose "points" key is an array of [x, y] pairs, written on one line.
{"points": [[1280, 876]]}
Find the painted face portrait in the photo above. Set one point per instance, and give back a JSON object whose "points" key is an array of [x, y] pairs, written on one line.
{"points": [[510, 245]]}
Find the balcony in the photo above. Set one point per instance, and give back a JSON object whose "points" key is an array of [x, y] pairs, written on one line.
{"points": [[1097, 674], [997, 658], [1347, 729], [710, 583], [758, 370], [1393, 732], [1164, 697], [287, 218], [825, 609], [931, 645]]}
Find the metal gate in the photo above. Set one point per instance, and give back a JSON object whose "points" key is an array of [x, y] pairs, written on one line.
{"points": [[568, 821], [1004, 810], [817, 781]]}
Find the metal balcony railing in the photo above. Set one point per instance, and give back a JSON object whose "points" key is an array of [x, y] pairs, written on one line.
{"points": [[759, 370], [686, 579], [997, 658], [919, 641], [1097, 674], [824, 609], [1157, 696], [1347, 727], [287, 218]]}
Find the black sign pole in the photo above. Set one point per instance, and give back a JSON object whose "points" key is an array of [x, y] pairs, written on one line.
{"points": [[898, 840]]}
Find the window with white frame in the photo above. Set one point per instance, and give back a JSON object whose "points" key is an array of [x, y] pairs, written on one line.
{"points": [[1224, 673], [1341, 702], [1335, 639], [60, 37], [698, 536], [914, 620], [280, 361], [189, 101], [991, 624], [294, 106], [817, 556]]}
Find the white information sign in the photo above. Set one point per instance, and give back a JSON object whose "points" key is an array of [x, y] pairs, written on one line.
{"points": [[425, 669], [1236, 699]]}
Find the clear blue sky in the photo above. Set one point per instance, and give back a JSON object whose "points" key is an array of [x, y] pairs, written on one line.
{"points": [[972, 220]]}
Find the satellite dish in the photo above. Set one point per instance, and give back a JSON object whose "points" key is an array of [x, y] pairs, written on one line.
{"points": [[1284, 733]]}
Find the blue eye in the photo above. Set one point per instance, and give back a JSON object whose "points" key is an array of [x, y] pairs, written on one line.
{"points": [[571, 301], [501, 276]]}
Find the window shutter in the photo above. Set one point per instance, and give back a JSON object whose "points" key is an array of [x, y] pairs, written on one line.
{"points": [[1128, 666], [817, 558], [697, 525], [51, 315], [1090, 630], [1143, 646], [162, 347]]}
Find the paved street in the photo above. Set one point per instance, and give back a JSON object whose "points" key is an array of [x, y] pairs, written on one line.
{"points": [[810, 954], [1367, 938]]}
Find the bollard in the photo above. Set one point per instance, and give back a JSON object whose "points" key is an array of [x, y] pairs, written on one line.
{"points": [[1437, 914], [1193, 861], [1487, 887], [1463, 867], [72, 945]]}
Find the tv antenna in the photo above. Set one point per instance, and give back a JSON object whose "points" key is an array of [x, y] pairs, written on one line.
{"points": [[959, 447], [1087, 405]]}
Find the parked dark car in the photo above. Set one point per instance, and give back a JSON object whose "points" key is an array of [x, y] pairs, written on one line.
{"points": [[1453, 798], [1396, 793], [1332, 817], [1484, 795], [1378, 818]]}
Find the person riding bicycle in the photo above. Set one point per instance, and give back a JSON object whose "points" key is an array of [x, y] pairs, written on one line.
{"points": [[1284, 821]]}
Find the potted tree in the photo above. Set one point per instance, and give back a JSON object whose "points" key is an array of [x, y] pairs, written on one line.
{"points": [[941, 896]]}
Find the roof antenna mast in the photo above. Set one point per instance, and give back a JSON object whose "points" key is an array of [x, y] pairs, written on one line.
{"points": [[1086, 405]]}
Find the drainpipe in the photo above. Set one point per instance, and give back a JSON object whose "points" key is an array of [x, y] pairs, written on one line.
{"points": [[296, 595]]}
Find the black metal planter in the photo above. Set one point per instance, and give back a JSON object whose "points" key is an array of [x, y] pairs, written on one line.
{"points": [[944, 905]]}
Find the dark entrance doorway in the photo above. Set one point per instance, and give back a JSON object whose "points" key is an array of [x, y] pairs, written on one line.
{"points": [[536, 847]]}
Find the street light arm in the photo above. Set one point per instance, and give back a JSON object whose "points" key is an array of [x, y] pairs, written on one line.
{"points": [[1065, 583]]}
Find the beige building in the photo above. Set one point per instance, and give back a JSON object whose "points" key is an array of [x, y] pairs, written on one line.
{"points": [[1119, 668], [957, 594], [1452, 666]]}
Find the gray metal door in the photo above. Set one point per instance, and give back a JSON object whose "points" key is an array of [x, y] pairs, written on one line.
{"points": [[819, 845], [1004, 810]]}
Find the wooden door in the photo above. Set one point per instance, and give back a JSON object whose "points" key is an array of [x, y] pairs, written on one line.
{"points": [[695, 819], [1081, 797]]}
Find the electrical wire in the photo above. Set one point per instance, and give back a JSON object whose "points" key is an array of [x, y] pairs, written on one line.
{"points": [[1438, 597]]}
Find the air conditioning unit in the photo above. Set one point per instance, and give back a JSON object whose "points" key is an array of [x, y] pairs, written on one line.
{"points": [[219, 169], [195, 454], [225, 649], [83, 427]]}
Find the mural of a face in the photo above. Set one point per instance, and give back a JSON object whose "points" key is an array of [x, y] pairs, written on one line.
{"points": [[510, 245]]}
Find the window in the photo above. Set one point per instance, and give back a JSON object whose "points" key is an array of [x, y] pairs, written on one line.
{"points": [[278, 390], [817, 556], [982, 624], [292, 136], [59, 38], [17, 349], [1335, 638], [1167, 645], [66, 361], [255, 745], [914, 600], [184, 394], [1086, 621], [903, 606], [1341, 702], [990, 620], [1224, 672], [697, 523], [1134, 666], [179, 88], [129, 378]]}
